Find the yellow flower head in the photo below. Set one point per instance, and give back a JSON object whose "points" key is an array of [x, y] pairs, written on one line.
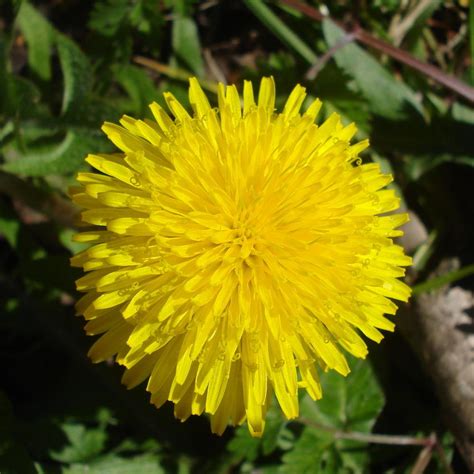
{"points": [[237, 249]]}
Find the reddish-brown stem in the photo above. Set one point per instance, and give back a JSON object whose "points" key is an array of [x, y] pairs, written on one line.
{"points": [[366, 38]]}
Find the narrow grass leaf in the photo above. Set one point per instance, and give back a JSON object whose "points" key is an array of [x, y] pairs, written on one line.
{"points": [[280, 30]]}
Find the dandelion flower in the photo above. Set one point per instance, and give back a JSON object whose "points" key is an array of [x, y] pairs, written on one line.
{"points": [[236, 252]]}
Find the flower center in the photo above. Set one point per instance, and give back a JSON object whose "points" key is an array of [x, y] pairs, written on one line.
{"points": [[246, 233]]}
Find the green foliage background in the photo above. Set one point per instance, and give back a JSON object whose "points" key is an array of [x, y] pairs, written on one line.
{"points": [[67, 66]]}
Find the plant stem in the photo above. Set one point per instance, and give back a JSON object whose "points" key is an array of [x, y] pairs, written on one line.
{"points": [[438, 282], [370, 438], [173, 73]]}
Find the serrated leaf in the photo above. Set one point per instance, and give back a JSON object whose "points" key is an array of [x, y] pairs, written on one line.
{"points": [[275, 436], [84, 444], [107, 16], [350, 403], [146, 18], [39, 36], [307, 455], [243, 445], [387, 96], [186, 44], [77, 74], [332, 86], [66, 157]]}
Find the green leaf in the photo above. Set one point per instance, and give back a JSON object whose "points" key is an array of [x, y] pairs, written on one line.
{"points": [[66, 157], [332, 86], [143, 464], [281, 30], [387, 96], [77, 74], [275, 429], [84, 444], [24, 96], [186, 44], [4, 78], [146, 17], [18, 96], [462, 113], [243, 445], [9, 225], [39, 36], [138, 85], [107, 16], [66, 238], [349, 403], [308, 454], [276, 435]]}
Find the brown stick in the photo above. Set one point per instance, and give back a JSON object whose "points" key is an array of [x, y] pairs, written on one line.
{"points": [[366, 38]]}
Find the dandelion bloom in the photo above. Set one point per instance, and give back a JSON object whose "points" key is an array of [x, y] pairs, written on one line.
{"points": [[237, 250]]}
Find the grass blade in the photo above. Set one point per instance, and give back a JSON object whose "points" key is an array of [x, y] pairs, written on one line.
{"points": [[280, 30]]}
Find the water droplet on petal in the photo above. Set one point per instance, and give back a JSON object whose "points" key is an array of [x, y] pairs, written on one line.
{"points": [[134, 181], [374, 199]]}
